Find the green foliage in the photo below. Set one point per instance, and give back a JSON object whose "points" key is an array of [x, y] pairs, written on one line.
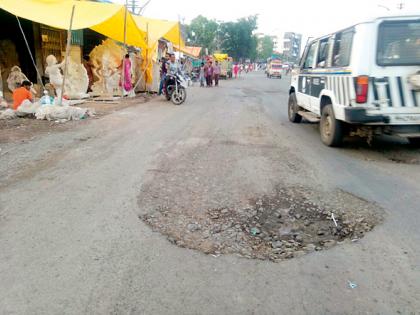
{"points": [[234, 38], [201, 32], [265, 47], [238, 39]]}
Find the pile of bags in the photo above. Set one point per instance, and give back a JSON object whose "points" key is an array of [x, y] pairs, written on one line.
{"points": [[47, 112]]}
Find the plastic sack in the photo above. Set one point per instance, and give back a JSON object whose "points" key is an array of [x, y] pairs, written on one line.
{"points": [[7, 114], [55, 112], [27, 108]]}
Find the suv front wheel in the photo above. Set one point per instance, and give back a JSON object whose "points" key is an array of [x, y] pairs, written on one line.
{"points": [[331, 129], [293, 109]]}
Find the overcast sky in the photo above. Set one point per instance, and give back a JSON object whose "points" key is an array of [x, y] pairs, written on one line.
{"points": [[308, 17]]}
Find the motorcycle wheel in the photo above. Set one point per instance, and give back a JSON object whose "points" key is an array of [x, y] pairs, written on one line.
{"points": [[179, 97]]}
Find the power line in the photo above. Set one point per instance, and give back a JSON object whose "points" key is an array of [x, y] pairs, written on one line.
{"points": [[135, 7]]}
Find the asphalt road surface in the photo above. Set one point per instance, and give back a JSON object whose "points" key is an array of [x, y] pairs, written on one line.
{"points": [[71, 241]]}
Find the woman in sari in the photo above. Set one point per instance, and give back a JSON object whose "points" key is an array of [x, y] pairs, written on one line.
{"points": [[127, 74]]}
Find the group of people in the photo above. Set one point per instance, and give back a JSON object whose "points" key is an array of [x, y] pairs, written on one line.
{"points": [[237, 69], [209, 73]]}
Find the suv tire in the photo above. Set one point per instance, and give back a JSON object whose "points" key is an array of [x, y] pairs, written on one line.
{"points": [[331, 129], [414, 142], [293, 109]]}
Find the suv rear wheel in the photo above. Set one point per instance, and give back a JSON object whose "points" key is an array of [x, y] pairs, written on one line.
{"points": [[331, 129], [293, 109], [414, 142]]}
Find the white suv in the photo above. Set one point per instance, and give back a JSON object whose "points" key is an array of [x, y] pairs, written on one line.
{"points": [[363, 80]]}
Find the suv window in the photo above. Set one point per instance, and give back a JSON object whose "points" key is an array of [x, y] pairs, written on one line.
{"points": [[399, 43], [322, 59], [310, 56], [342, 48]]}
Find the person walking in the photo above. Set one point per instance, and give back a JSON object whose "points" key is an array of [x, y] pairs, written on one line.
{"points": [[206, 72], [235, 70], [201, 76], [216, 70], [210, 73], [163, 72]]}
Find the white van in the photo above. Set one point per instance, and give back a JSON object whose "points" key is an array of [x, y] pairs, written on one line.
{"points": [[363, 80]]}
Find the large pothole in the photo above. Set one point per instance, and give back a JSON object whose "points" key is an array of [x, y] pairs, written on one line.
{"points": [[289, 223]]}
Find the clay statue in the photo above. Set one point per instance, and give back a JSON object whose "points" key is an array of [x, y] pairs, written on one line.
{"points": [[3, 103], [53, 71], [110, 75], [15, 79], [106, 60], [77, 81], [98, 87]]}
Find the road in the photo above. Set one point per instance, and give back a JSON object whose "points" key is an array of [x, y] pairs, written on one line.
{"points": [[73, 241]]}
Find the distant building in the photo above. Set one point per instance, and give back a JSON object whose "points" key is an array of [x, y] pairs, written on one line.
{"points": [[291, 47]]}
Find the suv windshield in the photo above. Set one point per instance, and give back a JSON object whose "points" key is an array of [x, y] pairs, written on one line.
{"points": [[399, 43]]}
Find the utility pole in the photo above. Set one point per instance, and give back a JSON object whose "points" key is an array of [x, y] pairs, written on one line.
{"points": [[133, 6], [141, 9], [136, 8]]}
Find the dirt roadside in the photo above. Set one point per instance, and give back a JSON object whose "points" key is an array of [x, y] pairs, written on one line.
{"points": [[25, 129]]}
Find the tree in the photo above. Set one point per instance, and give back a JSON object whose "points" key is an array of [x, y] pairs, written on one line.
{"points": [[234, 38], [201, 32], [238, 39], [265, 47]]}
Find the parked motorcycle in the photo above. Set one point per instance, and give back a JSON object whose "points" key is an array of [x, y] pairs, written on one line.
{"points": [[176, 88]]}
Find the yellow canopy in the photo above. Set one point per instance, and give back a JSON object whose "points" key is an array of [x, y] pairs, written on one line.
{"points": [[104, 18], [220, 57], [157, 29]]}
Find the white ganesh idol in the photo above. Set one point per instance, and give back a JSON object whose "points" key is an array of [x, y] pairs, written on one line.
{"points": [[53, 71]]}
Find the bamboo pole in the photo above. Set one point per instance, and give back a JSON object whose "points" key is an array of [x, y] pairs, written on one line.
{"points": [[66, 60], [125, 47], [147, 55], [30, 54], [179, 40]]}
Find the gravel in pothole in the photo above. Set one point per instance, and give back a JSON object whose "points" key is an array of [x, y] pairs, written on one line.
{"points": [[290, 223]]}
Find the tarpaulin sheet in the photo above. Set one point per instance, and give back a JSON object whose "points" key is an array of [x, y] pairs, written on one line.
{"points": [[104, 18], [192, 51], [156, 29], [220, 57]]}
